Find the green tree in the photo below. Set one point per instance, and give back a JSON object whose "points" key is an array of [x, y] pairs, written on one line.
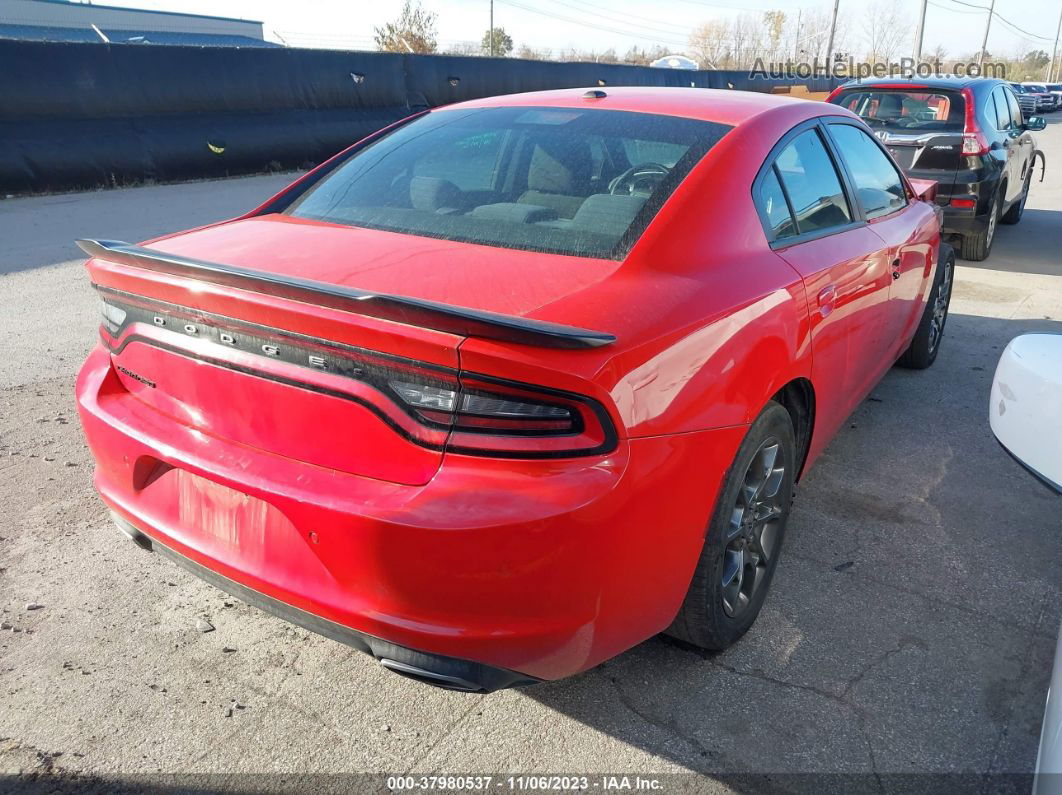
{"points": [[503, 43], [1036, 59], [413, 31]]}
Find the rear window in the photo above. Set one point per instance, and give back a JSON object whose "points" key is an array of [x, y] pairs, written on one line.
{"points": [[898, 110], [574, 181]]}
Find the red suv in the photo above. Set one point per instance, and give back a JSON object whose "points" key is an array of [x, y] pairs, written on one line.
{"points": [[513, 385]]}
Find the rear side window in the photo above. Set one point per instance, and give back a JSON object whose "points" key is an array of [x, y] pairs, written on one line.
{"points": [[877, 183], [1015, 108], [774, 207], [1002, 110], [812, 184], [898, 110]]}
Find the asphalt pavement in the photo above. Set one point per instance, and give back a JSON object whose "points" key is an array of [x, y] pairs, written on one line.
{"points": [[910, 628]]}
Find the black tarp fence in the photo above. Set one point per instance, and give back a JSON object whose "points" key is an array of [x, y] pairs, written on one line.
{"points": [[76, 115]]}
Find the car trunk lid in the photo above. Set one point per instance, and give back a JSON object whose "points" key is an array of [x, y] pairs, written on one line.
{"points": [[312, 379]]}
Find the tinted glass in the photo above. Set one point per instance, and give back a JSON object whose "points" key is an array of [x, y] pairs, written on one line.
{"points": [[999, 109], [774, 208], [570, 181], [1015, 108], [812, 184], [917, 111], [877, 182]]}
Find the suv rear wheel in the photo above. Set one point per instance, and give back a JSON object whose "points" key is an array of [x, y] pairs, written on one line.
{"points": [[976, 247], [744, 538]]}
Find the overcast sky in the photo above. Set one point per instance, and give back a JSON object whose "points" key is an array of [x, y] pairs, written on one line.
{"points": [[603, 24]]}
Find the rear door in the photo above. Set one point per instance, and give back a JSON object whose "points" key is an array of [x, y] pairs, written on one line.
{"points": [[1027, 145], [1009, 133], [907, 228], [812, 223]]}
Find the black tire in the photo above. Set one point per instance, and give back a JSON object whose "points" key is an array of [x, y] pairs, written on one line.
{"points": [[925, 345], [715, 614], [1014, 214], [978, 246]]}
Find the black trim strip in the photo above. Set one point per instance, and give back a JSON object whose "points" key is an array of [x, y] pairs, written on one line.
{"points": [[401, 309]]}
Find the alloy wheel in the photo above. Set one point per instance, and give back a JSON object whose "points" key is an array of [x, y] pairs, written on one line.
{"points": [[993, 218], [753, 534], [940, 305]]}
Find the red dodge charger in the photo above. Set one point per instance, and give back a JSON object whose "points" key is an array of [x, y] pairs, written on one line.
{"points": [[513, 385]]}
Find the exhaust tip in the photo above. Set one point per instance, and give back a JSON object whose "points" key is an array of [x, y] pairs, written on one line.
{"points": [[430, 677]]}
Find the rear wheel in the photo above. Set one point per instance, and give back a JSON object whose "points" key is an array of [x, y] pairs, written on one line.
{"points": [[1013, 215], [977, 246], [922, 351], [744, 538]]}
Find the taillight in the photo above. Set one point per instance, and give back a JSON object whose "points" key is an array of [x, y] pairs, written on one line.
{"points": [[490, 416], [974, 141], [966, 203]]}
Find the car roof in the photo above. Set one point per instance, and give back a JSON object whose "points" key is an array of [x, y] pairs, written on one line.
{"points": [[724, 106], [939, 81]]}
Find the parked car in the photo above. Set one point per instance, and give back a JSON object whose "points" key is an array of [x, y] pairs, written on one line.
{"points": [[1056, 89], [1045, 100], [514, 385], [1025, 412], [967, 134], [1027, 100]]}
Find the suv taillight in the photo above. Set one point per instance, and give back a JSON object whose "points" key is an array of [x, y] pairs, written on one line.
{"points": [[974, 141]]}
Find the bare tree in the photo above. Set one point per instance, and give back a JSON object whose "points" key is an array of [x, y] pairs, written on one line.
{"points": [[710, 44], [413, 31], [886, 29], [747, 39]]}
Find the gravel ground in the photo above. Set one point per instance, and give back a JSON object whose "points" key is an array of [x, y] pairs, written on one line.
{"points": [[910, 628]]}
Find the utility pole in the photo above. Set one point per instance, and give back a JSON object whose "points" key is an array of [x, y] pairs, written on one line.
{"points": [[1054, 52], [796, 44], [829, 46], [919, 33], [984, 41], [491, 34]]}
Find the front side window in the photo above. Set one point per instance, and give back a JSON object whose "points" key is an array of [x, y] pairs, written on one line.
{"points": [[877, 183], [812, 184], [577, 181]]}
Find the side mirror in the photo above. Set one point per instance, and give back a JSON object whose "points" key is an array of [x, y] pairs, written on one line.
{"points": [[1035, 123], [1025, 409]]}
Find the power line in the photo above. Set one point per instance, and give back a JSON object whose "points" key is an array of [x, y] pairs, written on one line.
{"points": [[656, 39], [1000, 17], [683, 30]]}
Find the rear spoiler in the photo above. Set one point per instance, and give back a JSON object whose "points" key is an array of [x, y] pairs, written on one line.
{"points": [[412, 311]]}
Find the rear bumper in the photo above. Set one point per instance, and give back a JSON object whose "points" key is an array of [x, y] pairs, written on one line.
{"points": [[539, 569], [435, 669]]}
